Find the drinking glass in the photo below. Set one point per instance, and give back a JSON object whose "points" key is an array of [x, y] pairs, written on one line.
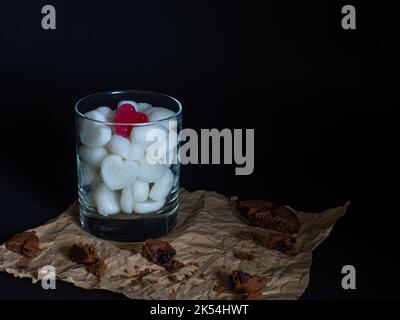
{"points": [[128, 172]]}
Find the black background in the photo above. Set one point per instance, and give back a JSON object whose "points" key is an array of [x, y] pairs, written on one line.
{"points": [[321, 101]]}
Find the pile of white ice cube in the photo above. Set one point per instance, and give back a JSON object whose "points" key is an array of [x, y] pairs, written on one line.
{"points": [[127, 174]]}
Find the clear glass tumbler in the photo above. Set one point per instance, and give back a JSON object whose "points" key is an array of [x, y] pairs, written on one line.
{"points": [[127, 159]]}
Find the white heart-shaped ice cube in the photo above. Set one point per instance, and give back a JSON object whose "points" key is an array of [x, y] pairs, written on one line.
{"points": [[127, 200], [150, 172], [119, 145], [162, 187], [118, 173], [93, 155], [135, 152], [148, 134], [124, 148], [107, 112], [93, 133], [131, 102], [148, 206], [142, 106], [140, 190], [107, 201], [160, 114]]}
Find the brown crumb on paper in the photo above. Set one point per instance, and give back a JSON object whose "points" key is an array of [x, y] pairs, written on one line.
{"points": [[86, 254], [158, 252], [161, 253], [83, 253], [25, 243], [269, 215], [244, 256], [174, 266], [220, 288], [173, 278], [253, 296], [246, 235], [281, 242], [246, 283], [98, 268]]}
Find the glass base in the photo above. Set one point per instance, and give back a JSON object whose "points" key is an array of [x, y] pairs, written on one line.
{"points": [[130, 228]]}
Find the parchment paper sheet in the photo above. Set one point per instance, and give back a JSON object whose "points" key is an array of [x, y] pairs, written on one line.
{"points": [[205, 240]]}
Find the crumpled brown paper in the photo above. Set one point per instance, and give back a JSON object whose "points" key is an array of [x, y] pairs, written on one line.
{"points": [[205, 240]]}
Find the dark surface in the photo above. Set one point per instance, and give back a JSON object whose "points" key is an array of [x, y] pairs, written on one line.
{"points": [[321, 100]]}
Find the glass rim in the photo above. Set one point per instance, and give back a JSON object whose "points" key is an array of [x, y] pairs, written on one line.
{"points": [[148, 92]]}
